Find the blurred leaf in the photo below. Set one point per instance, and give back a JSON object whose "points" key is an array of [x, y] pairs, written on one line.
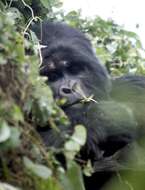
{"points": [[5, 186], [5, 131], [88, 170], [14, 140], [72, 179], [45, 3], [14, 13], [77, 140], [80, 135], [39, 170], [17, 113]]}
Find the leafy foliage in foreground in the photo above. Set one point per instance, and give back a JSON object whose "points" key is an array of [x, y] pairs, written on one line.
{"points": [[26, 101]]}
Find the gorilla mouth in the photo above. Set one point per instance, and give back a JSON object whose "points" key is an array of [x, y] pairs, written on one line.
{"points": [[74, 103], [80, 101]]}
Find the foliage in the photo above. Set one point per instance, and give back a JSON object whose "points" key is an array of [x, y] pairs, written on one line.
{"points": [[120, 50], [27, 102]]}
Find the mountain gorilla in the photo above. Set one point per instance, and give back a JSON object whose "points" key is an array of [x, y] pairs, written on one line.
{"points": [[75, 73]]}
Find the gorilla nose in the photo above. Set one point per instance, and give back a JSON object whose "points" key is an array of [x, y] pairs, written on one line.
{"points": [[65, 91]]}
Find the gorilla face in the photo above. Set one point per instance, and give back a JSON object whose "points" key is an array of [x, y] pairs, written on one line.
{"points": [[73, 71], [67, 77]]}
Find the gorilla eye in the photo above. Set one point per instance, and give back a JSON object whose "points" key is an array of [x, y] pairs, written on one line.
{"points": [[74, 69], [54, 76]]}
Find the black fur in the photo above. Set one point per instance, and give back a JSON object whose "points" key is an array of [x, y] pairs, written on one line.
{"points": [[73, 72]]}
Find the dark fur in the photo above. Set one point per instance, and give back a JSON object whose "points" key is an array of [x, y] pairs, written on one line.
{"points": [[69, 60]]}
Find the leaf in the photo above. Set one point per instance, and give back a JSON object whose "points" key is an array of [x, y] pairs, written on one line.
{"points": [[45, 3], [5, 186], [77, 140], [39, 170], [79, 135], [14, 140], [4, 131], [72, 179], [17, 114]]}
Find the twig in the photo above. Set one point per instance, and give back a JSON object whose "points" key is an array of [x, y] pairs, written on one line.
{"points": [[32, 15], [78, 90], [9, 5]]}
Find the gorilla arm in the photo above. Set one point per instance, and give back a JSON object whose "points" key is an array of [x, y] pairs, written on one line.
{"points": [[111, 127]]}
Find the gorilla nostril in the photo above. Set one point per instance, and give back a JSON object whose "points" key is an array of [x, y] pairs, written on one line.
{"points": [[66, 90]]}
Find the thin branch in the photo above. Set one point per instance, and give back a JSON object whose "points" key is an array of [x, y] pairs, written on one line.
{"points": [[9, 5]]}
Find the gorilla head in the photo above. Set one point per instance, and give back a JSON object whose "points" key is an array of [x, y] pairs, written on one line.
{"points": [[69, 62]]}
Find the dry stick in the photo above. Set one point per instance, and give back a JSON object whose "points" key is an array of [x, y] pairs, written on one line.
{"points": [[28, 25], [26, 5], [9, 5], [78, 90], [124, 181], [40, 54]]}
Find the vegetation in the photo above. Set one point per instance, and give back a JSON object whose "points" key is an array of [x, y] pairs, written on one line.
{"points": [[26, 101]]}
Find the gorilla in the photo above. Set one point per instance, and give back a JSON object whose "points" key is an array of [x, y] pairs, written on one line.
{"points": [[108, 108]]}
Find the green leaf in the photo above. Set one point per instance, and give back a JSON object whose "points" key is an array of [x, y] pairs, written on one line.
{"points": [[5, 131], [77, 140], [17, 114], [45, 3], [72, 179], [39, 170], [6, 186], [80, 135], [14, 140]]}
